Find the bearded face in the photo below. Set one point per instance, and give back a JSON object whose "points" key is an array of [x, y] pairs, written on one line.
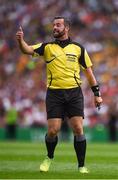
{"points": [[58, 33], [59, 29]]}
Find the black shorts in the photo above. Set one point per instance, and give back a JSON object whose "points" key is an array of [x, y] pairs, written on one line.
{"points": [[64, 102]]}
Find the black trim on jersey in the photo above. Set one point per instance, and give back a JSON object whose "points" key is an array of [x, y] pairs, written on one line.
{"points": [[63, 43], [76, 80], [40, 50], [53, 59], [71, 55], [82, 56], [51, 79], [76, 43]]}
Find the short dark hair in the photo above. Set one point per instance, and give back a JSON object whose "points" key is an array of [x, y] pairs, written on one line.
{"points": [[67, 21]]}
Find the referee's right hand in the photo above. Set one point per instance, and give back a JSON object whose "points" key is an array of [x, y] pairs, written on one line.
{"points": [[19, 34]]}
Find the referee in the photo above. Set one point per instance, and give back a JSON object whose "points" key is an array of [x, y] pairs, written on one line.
{"points": [[64, 59]]}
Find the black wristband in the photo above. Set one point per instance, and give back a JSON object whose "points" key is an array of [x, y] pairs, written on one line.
{"points": [[96, 90]]}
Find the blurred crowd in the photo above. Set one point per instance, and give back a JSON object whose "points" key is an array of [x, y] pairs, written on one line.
{"points": [[23, 79]]}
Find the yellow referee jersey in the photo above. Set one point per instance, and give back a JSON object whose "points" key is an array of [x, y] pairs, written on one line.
{"points": [[64, 59]]}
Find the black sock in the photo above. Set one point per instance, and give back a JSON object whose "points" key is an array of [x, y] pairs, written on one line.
{"points": [[80, 149], [51, 144]]}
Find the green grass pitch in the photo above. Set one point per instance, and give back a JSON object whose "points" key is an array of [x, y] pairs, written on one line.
{"points": [[20, 160]]}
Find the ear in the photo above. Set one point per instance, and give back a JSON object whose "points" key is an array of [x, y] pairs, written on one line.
{"points": [[67, 28]]}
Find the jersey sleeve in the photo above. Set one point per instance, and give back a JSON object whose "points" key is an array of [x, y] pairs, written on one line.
{"points": [[38, 49], [84, 59]]}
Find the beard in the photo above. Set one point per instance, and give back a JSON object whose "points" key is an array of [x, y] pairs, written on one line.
{"points": [[58, 34]]}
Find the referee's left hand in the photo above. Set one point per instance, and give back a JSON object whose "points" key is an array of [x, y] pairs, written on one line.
{"points": [[98, 101]]}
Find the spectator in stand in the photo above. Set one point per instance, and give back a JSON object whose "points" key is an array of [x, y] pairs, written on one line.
{"points": [[2, 114], [113, 121]]}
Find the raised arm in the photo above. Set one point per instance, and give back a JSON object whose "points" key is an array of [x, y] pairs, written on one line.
{"points": [[94, 86], [24, 47]]}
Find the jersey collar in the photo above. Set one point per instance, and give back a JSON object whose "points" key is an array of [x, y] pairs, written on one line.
{"points": [[63, 43]]}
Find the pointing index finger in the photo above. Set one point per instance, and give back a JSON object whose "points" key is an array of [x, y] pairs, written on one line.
{"points": [[20, 28]]}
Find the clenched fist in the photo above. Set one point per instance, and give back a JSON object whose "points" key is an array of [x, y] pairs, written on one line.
{"points": [[19, 34]]}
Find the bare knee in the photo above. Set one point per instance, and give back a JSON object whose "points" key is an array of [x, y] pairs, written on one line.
{"points": [[52, 132], [78, 130], [54, 126], [76, 124]]}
